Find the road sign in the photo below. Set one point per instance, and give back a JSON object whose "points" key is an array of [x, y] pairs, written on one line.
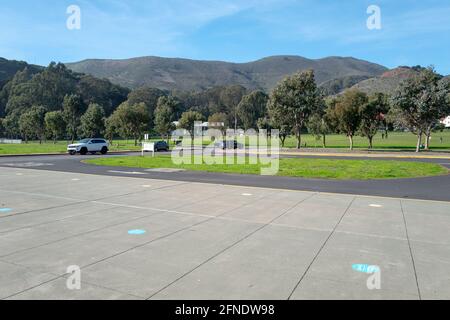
{"points": [[149, 147]]}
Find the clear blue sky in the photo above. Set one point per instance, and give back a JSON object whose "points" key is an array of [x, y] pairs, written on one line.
{"points": [[413, 32]]}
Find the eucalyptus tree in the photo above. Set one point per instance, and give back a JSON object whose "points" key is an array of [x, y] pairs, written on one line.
{"points": [[373, 114], [294, 100], [347, 113], [420, 102]]}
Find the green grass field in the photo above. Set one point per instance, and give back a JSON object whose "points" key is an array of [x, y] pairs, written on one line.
{"points": [[59, 147], [293, 167], [396, 141], [402, 141]]}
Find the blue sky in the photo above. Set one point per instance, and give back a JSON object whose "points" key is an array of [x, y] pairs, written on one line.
{"points": [[413, 32]]}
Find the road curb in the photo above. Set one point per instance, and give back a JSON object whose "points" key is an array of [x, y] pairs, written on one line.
{"points": [[55, 154], [360, 155], [285, 153]]}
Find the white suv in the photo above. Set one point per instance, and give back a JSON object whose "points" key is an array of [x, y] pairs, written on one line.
{"points": [[88, 145]]}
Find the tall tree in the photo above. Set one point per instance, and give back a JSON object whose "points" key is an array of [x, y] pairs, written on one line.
{"points": [[252, 107], [102, 92], [330, 114], [32, 123], [10, 87], [92, 121], [444, 106], [230, 97], [264, 124], [164, 116], [47, 88], [149, 96], [420, 102], [278, 121], [293, 100], [187, 122], [111, 127], [73, 108], [55, 124], [132, 120], [372, 116], [318, 126], [2, 127], [347, 111], [218, 121], [209, 101], [11, 125]]}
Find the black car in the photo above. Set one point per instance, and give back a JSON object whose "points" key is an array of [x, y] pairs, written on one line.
{"points": [[161, 146], [229, 145]]}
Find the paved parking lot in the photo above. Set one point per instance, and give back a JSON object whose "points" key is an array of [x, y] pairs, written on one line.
{"points": [[207, 241]]}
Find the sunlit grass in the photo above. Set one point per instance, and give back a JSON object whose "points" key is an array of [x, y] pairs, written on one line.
{"points": [[58, 147], [396, 141], [292, 167]]}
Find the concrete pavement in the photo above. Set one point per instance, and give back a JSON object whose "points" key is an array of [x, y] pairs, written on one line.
{"points": [[212, 241]]}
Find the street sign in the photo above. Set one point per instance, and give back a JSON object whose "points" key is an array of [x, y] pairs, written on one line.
{"points": [[149, 147]]}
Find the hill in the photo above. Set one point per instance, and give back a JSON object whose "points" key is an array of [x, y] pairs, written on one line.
{"points": [[48, 86], [387, 82], [188, 75], [8, 68]]}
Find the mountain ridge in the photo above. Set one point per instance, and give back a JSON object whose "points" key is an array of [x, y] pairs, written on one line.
{"points": [[8, 68], [195, 75], [387, 82]]}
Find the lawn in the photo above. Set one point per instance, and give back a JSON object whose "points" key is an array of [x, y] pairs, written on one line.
{"points": [[58, 147], [401, 141], [293, 167], [396, 140]]}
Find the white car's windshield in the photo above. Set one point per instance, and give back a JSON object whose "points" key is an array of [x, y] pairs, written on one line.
{"points": [[84, 141]]}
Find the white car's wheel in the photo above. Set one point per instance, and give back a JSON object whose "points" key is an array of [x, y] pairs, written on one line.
{"points": [[83, 151]]}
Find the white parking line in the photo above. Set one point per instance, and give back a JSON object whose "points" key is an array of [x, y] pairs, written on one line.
{"points": [[127, 172]]}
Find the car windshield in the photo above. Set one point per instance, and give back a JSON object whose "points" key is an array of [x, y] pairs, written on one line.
{"points": [[84, 141]]}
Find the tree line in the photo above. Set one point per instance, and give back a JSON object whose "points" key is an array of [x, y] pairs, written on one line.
{"points": [[418, 105], [59, 104]]}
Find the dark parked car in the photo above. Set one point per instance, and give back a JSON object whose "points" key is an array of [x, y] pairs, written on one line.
{"points": [[229, 145], [161, 146]]}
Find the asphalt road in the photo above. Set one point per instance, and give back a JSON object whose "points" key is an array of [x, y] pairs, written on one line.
{"points": [[431, 188]]}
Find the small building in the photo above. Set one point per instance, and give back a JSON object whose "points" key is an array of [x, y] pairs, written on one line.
{"points": [[212, 125], [446, 122]]}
